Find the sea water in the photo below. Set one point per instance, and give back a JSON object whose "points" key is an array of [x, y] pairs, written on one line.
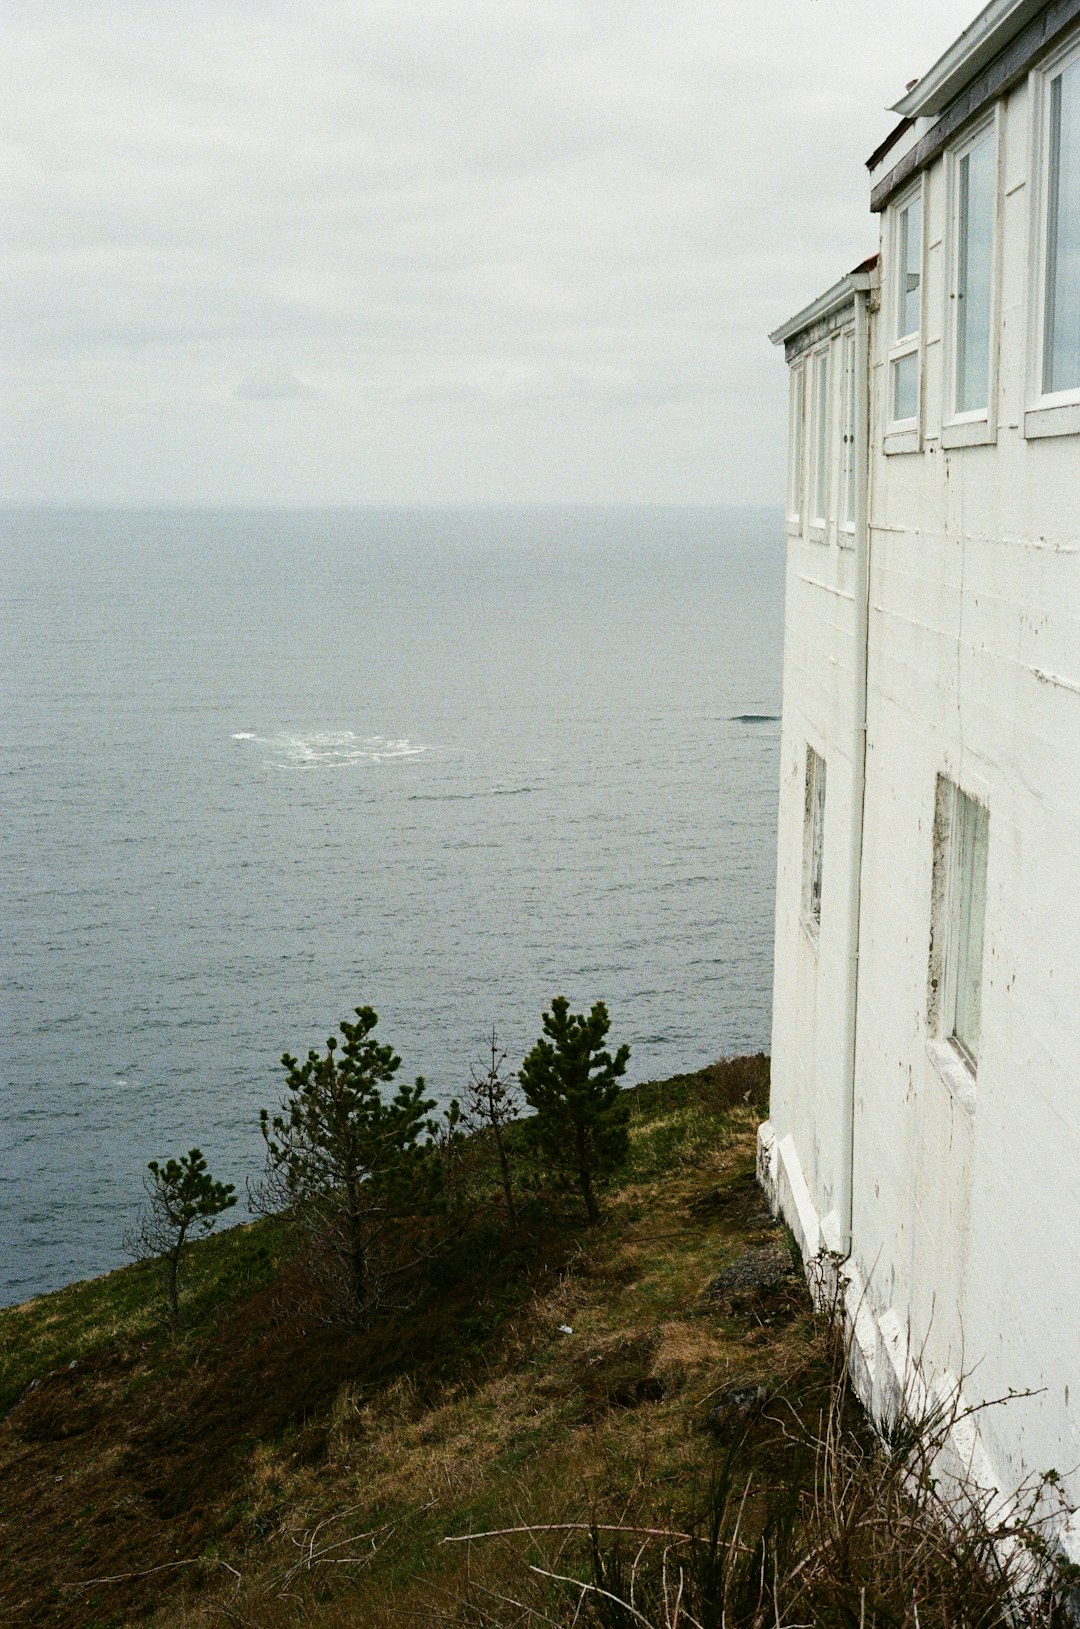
{"points": [[260, 768]]}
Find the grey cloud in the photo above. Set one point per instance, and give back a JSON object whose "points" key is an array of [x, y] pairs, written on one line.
{"points": [[273, 386], [476, 226]]}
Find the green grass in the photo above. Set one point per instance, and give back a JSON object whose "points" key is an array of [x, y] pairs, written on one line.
{"points": [[227, 1447], [128, 1305]]}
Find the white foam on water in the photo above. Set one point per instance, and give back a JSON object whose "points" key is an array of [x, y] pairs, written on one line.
{"points": [[331, 749]]}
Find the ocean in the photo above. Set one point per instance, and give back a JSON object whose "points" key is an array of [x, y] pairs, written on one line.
{"points": [[260, 768]]}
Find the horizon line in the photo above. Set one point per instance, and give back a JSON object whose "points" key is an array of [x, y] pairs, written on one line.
{"points": [[12, 506]]}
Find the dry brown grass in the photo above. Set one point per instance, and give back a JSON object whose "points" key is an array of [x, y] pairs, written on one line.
{"points": [[835, 1528], [281, 1477], [605, 1422]]}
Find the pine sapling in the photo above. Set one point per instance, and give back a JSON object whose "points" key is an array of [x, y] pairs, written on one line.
{"points": [[344, 1159], [183, 1201], [492, 1102], [582, 1119]]}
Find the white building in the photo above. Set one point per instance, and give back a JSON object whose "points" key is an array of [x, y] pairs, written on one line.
{"points": [[925, 1116]]}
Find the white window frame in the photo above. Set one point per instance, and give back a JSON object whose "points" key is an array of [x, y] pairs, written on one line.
{"points": [[815, 793], [797, 438], [977, 426], [903, 435], [820, 442], [1056, 412], [957, 963], [848, 481]]}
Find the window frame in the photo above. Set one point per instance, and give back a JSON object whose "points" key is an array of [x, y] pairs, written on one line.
{"points": [[820, 442], [797, 441], [848, 479], [904, 434], [961, 840], [1047, 413], [969, 863], [815, 793], [973, 426]]}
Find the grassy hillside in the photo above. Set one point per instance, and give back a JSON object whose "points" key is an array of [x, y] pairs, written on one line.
{"points": [[600, 1392]]}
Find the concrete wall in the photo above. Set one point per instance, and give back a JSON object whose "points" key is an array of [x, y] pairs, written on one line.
{"points": [[966, 1192], [808, 1040]]}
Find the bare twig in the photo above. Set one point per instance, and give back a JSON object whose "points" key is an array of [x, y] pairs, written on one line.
{"points": [[508, 1600], [569, 1527], [593, 1589], [146, 1572]]}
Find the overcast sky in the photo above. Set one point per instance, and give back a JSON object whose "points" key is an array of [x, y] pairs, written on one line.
{"points": [[427, 251]]}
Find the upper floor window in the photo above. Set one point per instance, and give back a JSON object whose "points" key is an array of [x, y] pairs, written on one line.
{"points": [[974, 201], [822, 439], [1061, 294], [796, 448], [847, 433], [909, 264], [906, 266]]}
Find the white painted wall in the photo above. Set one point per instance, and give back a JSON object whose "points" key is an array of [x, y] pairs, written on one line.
{"points": [[966, 1204], [809, 992]]}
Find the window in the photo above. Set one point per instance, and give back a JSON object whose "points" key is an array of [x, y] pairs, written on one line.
{"points": [[1061, 294], [962, 829], [847, 421], [813, 839], [974, 199], [906, 317], [796, 449], [1053, 406], [819, 496], [969, 863]]}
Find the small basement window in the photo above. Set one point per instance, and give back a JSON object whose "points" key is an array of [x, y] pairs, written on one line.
{"points": [[962, 831], [969, 917], [813, 839]]}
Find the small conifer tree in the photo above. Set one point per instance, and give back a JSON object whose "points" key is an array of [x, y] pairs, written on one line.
{"points": [[183, 1201], [448, 1142], [491, 1104], [344, 1158], [582, 1119]]}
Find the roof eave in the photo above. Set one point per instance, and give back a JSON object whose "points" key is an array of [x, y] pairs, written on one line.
{"points": [[834, 299], [977, 46]]}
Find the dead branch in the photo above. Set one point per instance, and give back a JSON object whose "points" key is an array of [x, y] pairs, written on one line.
{"points": [[569, 1527], [594, 1589], [146, 1572]]}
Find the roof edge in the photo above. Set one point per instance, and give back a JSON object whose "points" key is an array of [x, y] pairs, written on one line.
{"points": [[886, 146], [997, 24], [833, 300]]}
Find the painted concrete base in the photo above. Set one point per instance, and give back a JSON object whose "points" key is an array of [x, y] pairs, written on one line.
{"points": [[890, 1379]]}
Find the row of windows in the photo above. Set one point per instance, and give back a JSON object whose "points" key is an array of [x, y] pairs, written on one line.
{"points": [[972, 187], [1061, 356], [822, 437], [972, 192], [958, 910], [822, 471]]}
